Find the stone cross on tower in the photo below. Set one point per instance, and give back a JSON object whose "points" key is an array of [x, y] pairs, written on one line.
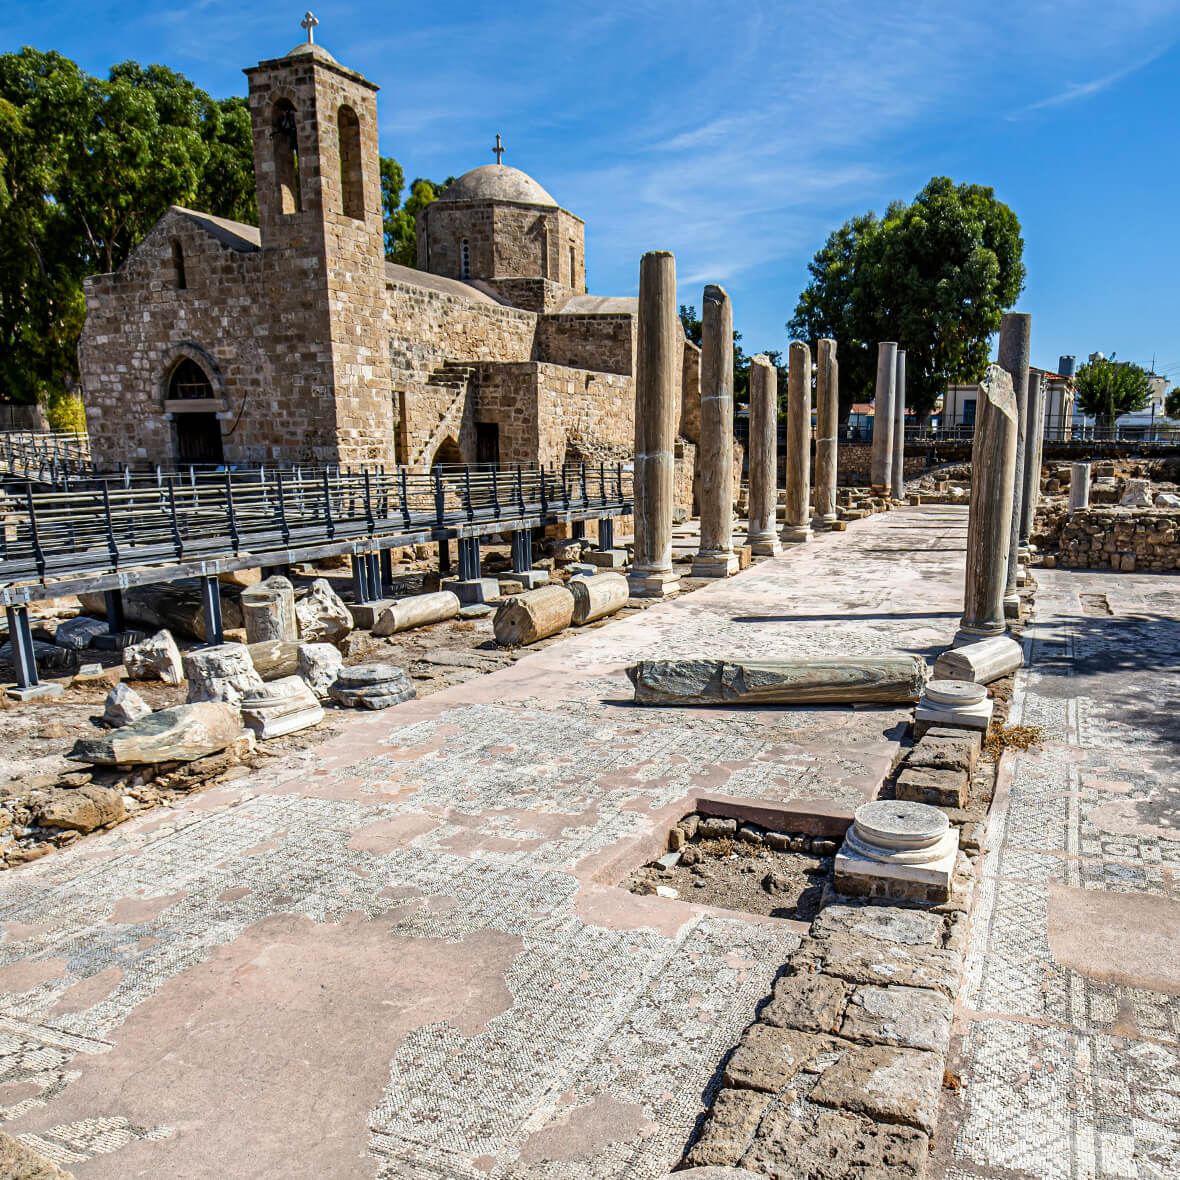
{"points": [[309, 23], [498, 149]]}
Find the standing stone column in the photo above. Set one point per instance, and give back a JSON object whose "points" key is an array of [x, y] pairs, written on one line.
{"points": [[989, 529], [1034, 444], [1079, 487], [827, 425], [897, 466], [1015, 330], [659, 351], [762, 536], [883, 418], [796, 522], [716, 558]]}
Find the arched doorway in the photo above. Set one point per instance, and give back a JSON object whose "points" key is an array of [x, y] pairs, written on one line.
{"points": [[198, 432], [448, 454]]}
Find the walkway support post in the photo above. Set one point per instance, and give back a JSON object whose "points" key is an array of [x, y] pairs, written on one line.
{"points": [[715, 557], [211, 601], [827, 418], [796, 522], [20, 639], [989, 529], [659, 357], [761, 533]]}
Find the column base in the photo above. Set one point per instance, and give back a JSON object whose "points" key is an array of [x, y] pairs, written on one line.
{"points": [[473, 590], [366, 614], [969, 634], [606, 559], [767, 547], [653, 584], [824, 523], [1012, 606], [529, 579], [714, 565], [796, 533]]}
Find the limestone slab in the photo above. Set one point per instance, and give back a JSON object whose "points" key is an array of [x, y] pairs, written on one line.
{"points": [[980, 662], [808, 1002], [767, 1058], [907, 1017], [180, 734], [882, 1082]]}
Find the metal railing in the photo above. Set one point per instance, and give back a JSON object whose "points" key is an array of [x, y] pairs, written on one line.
{"points": [[46, 457], [178, 527]]}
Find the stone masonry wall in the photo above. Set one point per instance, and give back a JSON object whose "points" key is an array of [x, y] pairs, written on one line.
{"points": [[1128, 539], [605, 343]]}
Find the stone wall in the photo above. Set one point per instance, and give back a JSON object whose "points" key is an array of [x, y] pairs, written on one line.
{"points": [[1128, 539], [602, 342]]}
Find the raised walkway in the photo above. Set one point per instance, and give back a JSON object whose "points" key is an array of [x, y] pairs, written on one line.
{"points": [[404, 954], [1070, 1018]]}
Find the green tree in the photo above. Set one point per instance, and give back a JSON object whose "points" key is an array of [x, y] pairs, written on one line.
{"points": [[741, 362], [400, 220], [935, 275], [1172, 403], [1107, 388]]}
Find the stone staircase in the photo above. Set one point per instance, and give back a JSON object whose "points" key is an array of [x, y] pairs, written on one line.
{"points": [[454, 376]]}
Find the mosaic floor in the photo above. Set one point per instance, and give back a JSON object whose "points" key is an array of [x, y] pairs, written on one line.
{"points": [[1071, 1014], [402, 953]]}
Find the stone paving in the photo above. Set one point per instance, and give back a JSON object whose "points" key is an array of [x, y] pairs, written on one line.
{"points": [[403, 953], [1070, 1018]]}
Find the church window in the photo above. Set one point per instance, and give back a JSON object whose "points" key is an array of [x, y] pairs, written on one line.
{"points": [[464, 259], [544, 253], [573, 267], [351, 182], [189, 382], [285, 146], [178, 276]]}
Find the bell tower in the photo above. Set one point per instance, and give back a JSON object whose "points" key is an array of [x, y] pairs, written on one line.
{"points": [[323, 251]]}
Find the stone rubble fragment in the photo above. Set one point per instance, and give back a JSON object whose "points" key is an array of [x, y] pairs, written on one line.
{"points": [[322, 614], [80, 810], [77, 633], [221, 673], [124, 705], [180, 734], [281, 706], [372, 686], [155, 658], [319, 664]]}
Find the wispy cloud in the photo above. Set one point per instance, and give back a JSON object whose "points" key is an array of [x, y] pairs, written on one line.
{"points": [[1076, 91]]}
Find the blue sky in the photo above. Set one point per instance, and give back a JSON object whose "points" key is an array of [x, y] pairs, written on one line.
{"points": [[739, 135]]}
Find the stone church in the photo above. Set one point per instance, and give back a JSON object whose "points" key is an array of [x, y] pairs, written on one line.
{"points": [[295, 341]]}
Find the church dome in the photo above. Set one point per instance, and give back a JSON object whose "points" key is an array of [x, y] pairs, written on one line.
{"points": [[497, 182], [311, 49]]}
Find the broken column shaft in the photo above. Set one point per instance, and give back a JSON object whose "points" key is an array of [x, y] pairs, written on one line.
{"points": [[796, 523], [762, 535], [827, 414], [897, 465], [1033, 451], [659, 355], [882, 462], [716, 558]]}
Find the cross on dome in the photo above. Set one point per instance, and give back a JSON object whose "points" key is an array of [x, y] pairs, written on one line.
{"points": [[499, 149], [309, 23]]}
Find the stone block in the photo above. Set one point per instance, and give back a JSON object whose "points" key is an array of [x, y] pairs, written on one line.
{"points": [[958, 751], [908, 1017], [80, 810], [767, 1058], [824, 1144], [37, 692], [938, 787], [714, 567], [124, 705], [472, 591], [885, 1083], [870, 961], [608, 559], [808, 1002], [180, 734], [729, 1129], [366, 614], [157, 658], [662, 585], [322, 615], [890, 924]]}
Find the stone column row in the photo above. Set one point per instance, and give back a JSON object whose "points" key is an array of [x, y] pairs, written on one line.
{"points": [[883, 396], [827, 426]]}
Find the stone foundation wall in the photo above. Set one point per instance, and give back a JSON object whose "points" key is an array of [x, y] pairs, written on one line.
{"points": [[605, 343], [1128, 539]]}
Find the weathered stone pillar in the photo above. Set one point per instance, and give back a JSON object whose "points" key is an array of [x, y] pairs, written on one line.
{"points": [[989, 530], [796, 523], [827, 418], [1034, 446], [883, 418], [897, 466], [1079, 487], [659, 351], [1015, 329], [716, 558], [762, 536]]}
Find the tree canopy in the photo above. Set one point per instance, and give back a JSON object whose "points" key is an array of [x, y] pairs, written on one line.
{"points": [[1108, 388], [935, 275], [401, 237], [741, 362]]}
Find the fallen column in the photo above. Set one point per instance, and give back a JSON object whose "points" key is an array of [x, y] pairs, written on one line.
{"points": [[827, 417], [716, 558], [598, 596], [274, 658], [982, 662], [524, 618], [417, 611], [281, 707], [658, 361], [796, 523], [897, 464], [1015, 329], [882, 461], [873, 679], [993, 472], [761, 530], [268, 611]]}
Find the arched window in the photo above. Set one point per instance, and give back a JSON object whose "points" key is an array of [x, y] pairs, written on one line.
{"points": [[544, 253], [573, 267], [352, 187], [284, 137], [464, 259], [188, 382], [178, 276]]}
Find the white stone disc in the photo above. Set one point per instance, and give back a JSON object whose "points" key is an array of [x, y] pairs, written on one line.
{"points": [[900, 824], [955, 692]]}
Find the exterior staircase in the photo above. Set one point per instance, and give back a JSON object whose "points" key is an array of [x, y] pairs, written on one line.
{"points": [[455, 376]]}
